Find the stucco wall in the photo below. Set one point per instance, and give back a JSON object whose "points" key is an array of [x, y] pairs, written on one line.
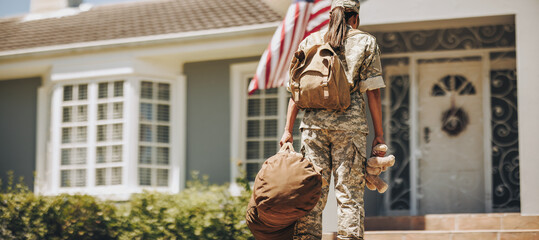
{"points": [[18, 100], [208, 118]]}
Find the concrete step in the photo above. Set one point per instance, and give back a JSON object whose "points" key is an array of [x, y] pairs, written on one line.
{"points": [[490, 226], [454, 222], [453, 235], [447, 235]]}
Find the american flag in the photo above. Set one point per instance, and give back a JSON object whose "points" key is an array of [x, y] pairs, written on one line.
{"points": [[302, 18]]}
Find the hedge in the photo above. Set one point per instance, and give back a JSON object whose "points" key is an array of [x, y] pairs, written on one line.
{"points": [[201, 211]]}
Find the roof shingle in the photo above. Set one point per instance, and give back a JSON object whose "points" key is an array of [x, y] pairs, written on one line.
{"points": [[128, 20]]}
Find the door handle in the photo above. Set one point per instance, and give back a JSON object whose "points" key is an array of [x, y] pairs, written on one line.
{"points": [[426, 136]]}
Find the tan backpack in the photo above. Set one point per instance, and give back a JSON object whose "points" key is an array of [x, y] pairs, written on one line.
{"points": [[318, 78]]}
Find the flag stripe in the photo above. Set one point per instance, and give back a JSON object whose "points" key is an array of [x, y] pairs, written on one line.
{"points": [[282, 65], [315, 29], [302, 19], [319, 12]]}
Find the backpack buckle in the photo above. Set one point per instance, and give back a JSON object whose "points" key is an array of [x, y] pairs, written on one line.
{"points": [[326, 92], [326, 89]]}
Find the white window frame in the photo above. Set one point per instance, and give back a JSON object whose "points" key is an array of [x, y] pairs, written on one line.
{"points": [[239, 73], [170, 145], [109, 142], [74, 145], [130, 137]]}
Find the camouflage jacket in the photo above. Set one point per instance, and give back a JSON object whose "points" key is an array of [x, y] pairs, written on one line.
{"points": [[361, 60]]}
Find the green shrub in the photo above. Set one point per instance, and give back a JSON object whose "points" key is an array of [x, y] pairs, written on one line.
{"points": [[201, 211], [20, 212], [24, 215], [80, 217], [20, 216]]}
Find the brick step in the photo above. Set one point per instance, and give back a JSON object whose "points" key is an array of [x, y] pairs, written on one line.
{"points": [[453, 235], [454, 222]]}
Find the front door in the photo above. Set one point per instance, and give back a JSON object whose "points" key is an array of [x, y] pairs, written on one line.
{"points": [[451, 172]]}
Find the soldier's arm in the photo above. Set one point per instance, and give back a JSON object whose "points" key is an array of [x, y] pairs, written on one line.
{"points": [[372, 73], [291, 115], [375, 107]]}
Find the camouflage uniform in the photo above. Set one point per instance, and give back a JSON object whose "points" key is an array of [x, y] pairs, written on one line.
{"points": [[336, 141]]}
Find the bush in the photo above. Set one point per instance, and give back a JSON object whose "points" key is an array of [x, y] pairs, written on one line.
{"points": [[201, 211], [21, 216], [24, 215]]}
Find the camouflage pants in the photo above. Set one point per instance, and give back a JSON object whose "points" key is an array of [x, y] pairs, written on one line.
{"points": [[343, 154]]}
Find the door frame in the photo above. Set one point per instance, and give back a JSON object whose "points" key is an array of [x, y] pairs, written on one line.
{"points": [[415, 152]]}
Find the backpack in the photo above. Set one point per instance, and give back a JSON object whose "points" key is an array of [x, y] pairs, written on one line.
{"points": [[318, 78]]}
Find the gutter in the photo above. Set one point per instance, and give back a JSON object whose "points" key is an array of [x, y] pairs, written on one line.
{"points": [[142, 41]]}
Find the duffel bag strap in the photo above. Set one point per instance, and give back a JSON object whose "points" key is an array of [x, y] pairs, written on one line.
{"points": [[287, 146]]}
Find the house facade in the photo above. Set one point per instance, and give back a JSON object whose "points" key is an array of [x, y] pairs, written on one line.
{"points": [[115, 99]]}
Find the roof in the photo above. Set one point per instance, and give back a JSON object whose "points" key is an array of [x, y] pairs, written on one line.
{"points": [[128, 20]]}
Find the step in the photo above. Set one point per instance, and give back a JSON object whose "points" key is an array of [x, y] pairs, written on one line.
{"points": [[452, 235], [446, 235], [454, 222], [487, 226]]}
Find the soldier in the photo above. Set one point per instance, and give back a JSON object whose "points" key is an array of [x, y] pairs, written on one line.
{"points": [[336, 141]]}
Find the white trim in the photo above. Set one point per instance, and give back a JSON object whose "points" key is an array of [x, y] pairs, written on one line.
{"points": [[91, 122], [92, 74], [447, 53], [415, 153], [54, 161], [388, 72], [109, 66], [42, 120], [131, 111], [178, 133], [146, 40], [386, 125], [237, 129], [487, 131], [473, 21]]}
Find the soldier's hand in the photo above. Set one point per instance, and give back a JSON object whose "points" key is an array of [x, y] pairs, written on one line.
{"points": [[377, 140], [287, 137]]}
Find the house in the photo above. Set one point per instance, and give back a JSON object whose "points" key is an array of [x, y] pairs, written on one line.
{"points": [[114, 99]]}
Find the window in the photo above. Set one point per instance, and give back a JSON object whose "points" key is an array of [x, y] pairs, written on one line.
{"points": [[154, 134], [109, 135], [262, 136], [113, 137], [74, 136], [263, 117], [259, 122], [77, 144]]}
